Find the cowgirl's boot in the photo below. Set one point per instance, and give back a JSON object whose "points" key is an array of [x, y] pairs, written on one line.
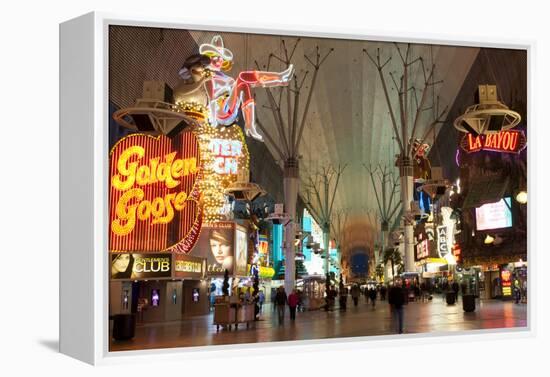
{"points": [[269, 79], [248, 114]]}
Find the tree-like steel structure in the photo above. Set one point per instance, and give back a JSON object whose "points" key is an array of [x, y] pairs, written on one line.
{"points": [[290, 126], [339, 223], [320, 194], [385, 186], [406, 125]]}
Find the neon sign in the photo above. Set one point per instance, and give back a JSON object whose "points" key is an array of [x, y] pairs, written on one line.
{"points": [[506, 282], [442, 245], [457, 252], [227, 94], [422, 250], [140, 266], [226, 155], [509, 141], [153, 185]]}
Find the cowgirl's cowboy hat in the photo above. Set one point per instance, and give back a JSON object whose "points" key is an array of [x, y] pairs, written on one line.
{"points": [[215, 48]]}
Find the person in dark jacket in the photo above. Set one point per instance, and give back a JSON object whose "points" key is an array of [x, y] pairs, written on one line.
{"points": [[396, 298], [281, 301], [343, 298], [355, 293], [372, 296], [456, 288]]}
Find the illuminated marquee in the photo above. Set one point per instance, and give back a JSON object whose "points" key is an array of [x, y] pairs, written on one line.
{"points": [[187, 266], [153, 196], [510, 141], [422, 250], [442, 243], [506, 282], [226, 154]]}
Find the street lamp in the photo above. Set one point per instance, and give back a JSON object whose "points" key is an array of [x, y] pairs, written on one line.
{"points": [[488, 240], [521, 197]]}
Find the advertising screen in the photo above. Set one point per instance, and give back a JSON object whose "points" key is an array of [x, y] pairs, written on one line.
{"points": [[494, 215], [216, 244], [422, 250], [241, 246], [506, 282], [189, 267], [155, 297], [196, 295], [140, 266]]}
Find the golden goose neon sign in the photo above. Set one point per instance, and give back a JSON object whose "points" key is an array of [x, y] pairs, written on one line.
{"points": [[132, 204], [153, 185]]}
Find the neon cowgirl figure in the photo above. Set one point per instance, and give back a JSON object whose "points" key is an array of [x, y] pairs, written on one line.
{"points": [[225, 94]]}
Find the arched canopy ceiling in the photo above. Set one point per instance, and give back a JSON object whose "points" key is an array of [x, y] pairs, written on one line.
{"points": [[348, 120]]}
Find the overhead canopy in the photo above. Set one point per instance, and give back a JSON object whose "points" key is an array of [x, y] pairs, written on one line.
{"points": [[348, 120]]}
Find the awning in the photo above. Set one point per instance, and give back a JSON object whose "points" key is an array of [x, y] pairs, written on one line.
{"points": [[485, 190], [433, 260], [264, 272]]}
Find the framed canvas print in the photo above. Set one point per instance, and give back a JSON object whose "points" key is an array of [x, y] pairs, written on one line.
{"points": [[225, 187]]}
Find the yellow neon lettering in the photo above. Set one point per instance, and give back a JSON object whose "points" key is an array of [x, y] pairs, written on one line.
{"points": [[126, 213], [127, 169]]}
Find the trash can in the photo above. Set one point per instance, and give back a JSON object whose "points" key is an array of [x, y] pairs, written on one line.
{"points": [[450, 298], [469, 303], [124, 326]]}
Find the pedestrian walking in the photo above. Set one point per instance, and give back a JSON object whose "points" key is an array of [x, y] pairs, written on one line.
{"points": [[301, 304], [455, 290], [343, 297], [372, 296], [333, 295], [292, 304], [396, 299], [281, 300], [261, 299], [517, 291], [355, 293]]}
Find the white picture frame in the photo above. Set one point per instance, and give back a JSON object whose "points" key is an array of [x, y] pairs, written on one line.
{"points": [[84, 301]]}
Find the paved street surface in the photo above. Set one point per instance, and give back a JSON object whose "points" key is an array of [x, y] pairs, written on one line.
{"points": [[363, 320]]}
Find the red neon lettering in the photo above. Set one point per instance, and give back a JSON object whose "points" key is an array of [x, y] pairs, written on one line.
{"points": [[514, 141], [506, 141], [503, 141], [474, 142], [488, 141]]}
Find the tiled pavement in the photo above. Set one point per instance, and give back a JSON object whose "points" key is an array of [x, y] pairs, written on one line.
{"points": [[363, 320]]}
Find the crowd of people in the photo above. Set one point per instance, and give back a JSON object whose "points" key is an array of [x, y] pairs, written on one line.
{"points": [[397, 293]]}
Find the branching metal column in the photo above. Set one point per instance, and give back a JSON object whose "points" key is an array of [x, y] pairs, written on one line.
{"points": [[290, 126], [405, 128]]}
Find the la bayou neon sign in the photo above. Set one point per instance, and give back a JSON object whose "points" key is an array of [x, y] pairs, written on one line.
{"points": [[510, 141]]}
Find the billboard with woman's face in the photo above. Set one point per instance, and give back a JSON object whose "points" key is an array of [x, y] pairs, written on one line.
{"points": [[216, 244]]}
